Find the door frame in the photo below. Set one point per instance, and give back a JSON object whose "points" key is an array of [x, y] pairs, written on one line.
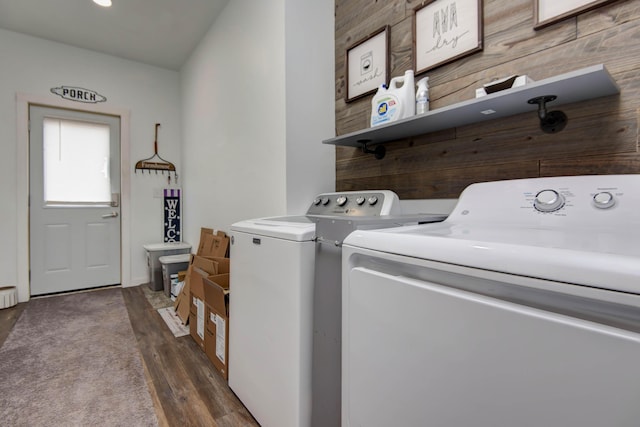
{"points": [[23, 101]]}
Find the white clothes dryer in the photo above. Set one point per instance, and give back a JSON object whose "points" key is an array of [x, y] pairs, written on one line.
{"points": [[521, 309]]}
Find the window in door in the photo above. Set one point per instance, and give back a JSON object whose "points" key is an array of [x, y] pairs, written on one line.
{"points": [[76, 162]]}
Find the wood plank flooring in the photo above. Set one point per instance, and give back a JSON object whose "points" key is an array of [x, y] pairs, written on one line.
{"points": [[184, 385]]}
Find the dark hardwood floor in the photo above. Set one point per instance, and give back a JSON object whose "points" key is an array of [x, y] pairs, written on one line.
{"points": [[185, 387]]}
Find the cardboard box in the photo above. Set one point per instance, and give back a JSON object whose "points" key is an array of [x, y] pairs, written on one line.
{"points": [[197, 310], [210, 258], [216, 341], [208, 264], [201, 268], [196, 287], [183, 301], [197, 324], [222, 264], [213, 243]]}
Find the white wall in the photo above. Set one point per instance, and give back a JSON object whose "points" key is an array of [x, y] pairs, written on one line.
{"points": [[34, 66], [257, 101], [310, 100]]}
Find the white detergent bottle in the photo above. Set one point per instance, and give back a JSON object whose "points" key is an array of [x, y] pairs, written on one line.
{"points": [[422, 96], [396, 102]]}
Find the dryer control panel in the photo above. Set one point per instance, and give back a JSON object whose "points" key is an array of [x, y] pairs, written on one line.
{"points": [[594, 201]]}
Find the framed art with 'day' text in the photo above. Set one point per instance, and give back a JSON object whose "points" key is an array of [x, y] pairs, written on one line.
{"points": [[445, 30]]}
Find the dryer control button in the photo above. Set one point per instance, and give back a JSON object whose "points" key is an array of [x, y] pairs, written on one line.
{"points": [[341, 201], [360, 200], [548, 201], [604, 200], [373, 200], [325, 201], [317, 201]]}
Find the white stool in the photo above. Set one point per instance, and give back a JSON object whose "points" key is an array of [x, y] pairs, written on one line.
{"points": [[8, 296]]}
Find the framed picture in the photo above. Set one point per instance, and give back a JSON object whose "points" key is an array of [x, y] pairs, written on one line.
{"points": [[549, 12], [367, 64], [445, 30]]}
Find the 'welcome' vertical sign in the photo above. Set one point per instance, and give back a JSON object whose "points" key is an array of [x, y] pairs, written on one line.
{"points": [[172, 215]]}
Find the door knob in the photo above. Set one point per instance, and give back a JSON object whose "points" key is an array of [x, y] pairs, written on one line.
{"points": [[110, 215]]}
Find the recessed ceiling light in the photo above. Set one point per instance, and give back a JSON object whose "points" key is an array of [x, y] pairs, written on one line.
{"points": [[103, 3]]}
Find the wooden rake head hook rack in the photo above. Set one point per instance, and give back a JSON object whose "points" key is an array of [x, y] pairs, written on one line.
{"points": [[157, 163]]}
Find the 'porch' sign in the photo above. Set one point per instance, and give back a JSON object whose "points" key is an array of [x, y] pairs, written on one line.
{"points": [[78, 94]]}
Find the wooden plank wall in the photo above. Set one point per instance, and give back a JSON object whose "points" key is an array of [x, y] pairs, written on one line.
{"points": [[600, 138]]}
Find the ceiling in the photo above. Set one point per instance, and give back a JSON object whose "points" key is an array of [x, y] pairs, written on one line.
{"points": [[156, 32]]}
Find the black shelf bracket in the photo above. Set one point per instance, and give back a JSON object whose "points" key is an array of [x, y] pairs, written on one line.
{"points": [[378, 152], [552, 121]]}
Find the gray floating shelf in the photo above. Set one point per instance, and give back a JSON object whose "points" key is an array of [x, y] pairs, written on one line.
{"points": [[580, 85]]}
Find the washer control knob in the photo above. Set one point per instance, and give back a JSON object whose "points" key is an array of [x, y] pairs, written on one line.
{"points": [[317, 201], [604, 200], [360, 200], [548, 201], [325, 201], [341, 201], [373, 200]]}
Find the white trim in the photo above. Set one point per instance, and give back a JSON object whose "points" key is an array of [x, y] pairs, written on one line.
{"points": [[22, 182]]}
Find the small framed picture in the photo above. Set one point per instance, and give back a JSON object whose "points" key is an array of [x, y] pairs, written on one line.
{"points": [[445, 30], [367, 64], [549, 12]]}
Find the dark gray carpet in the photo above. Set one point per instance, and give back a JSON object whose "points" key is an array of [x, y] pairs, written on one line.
{"points": [[72, 360]]}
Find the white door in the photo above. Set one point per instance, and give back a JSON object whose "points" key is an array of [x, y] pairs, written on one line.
{"points": [[74, 213]]}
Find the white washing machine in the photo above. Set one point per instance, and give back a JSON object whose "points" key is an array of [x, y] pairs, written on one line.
{"points": [[271, 325], [521, 309]]}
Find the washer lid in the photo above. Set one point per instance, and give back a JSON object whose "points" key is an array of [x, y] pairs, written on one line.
{"points": [[296, 228], [595, 257]]}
